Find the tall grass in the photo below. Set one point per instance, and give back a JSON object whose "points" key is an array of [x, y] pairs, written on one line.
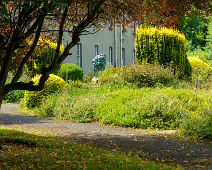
{"points": [[165, 108]]}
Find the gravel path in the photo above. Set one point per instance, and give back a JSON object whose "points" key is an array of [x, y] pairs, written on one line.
{"points": [[159, 146]]}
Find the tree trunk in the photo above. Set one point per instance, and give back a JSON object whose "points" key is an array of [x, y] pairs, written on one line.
{"points": [[1, 95]]}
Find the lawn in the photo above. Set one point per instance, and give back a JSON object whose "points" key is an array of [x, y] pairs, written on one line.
{"points": [[20, 150]]}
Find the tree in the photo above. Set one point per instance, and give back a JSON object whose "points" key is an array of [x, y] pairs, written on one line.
{"points": [[169, 12], [194, 25], [209, 39], [24, 20]]}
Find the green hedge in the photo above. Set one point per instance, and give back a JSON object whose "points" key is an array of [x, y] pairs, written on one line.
{"points": [[163, 46], [70, 72]]}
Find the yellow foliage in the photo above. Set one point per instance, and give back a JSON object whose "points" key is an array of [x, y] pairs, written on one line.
{"points": [[197, 63], [44, 44], [54, 84], [162, 46]]}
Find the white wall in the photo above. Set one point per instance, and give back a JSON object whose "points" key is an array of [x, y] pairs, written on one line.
{"points": [[104, 38]]}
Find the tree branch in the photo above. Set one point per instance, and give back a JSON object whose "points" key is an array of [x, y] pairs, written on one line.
{"points": [[27, 56], [57, 52]]}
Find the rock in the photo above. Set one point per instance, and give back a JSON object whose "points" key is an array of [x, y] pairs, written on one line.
{"points": [[95, 80]]}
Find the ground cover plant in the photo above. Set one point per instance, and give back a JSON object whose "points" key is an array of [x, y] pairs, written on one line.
{"points": [[30, 151], [156, 108], [139, 75]]}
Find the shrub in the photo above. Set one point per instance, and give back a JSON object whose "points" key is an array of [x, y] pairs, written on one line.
{"points": [[163, 46], [139, 75], [201, 70], [70, 72], [198, 124], [53, 85], [14, 96], [150, 108]]}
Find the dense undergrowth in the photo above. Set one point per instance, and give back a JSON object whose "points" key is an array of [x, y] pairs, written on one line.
{"points": [[140, 96], [159, 108]]}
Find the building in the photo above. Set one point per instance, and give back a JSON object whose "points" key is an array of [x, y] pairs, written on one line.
{"points": [[117, 45]]}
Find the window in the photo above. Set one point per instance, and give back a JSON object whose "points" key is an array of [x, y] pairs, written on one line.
{"points": [[134, 55], [79, 54], [123, 57], [111, 55], [110, 24], [96, 50]]}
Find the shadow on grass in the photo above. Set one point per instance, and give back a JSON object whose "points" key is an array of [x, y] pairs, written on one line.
{"points": [[19, 150]]}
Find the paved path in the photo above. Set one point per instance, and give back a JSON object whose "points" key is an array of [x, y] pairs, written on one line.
{"points": [[159, 146]]}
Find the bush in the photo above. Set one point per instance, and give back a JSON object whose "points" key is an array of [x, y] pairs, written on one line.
{"points": [[54, 84], [144, 108], [139, 75], [162, 46], [70, 72], [14, 96], [201, 70], [150, 108], [198, 124]]}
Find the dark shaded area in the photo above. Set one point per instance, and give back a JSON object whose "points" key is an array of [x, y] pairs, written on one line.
{"points": [[8, 116], [187, 154], [10, 119], [17, 141]]}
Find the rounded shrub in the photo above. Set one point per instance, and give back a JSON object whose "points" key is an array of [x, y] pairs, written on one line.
{"points": [[201, 70], [70, 72], [162, 46], [54, 84]]}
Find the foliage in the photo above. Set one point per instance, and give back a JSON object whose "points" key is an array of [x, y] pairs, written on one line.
{"points": [[200, 54], [54, 84], [194, 26], [29, 20], [168, 13], [32, 151], [201, 70], [43, 55], [147, 108], [162, 46], [209, 39], [70, 72], [139, 75], [14, 96], [26, 21], [198, 124], [142, 108]]}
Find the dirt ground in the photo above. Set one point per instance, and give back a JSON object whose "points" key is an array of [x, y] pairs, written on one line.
{"points": [[159, 146]]}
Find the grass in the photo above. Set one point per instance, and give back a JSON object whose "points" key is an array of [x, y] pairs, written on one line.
{"points": [[20, 150], [141, 96]]}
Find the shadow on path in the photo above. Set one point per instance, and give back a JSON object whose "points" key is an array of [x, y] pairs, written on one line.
{"points": [[9, 116], [190, 155]]}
